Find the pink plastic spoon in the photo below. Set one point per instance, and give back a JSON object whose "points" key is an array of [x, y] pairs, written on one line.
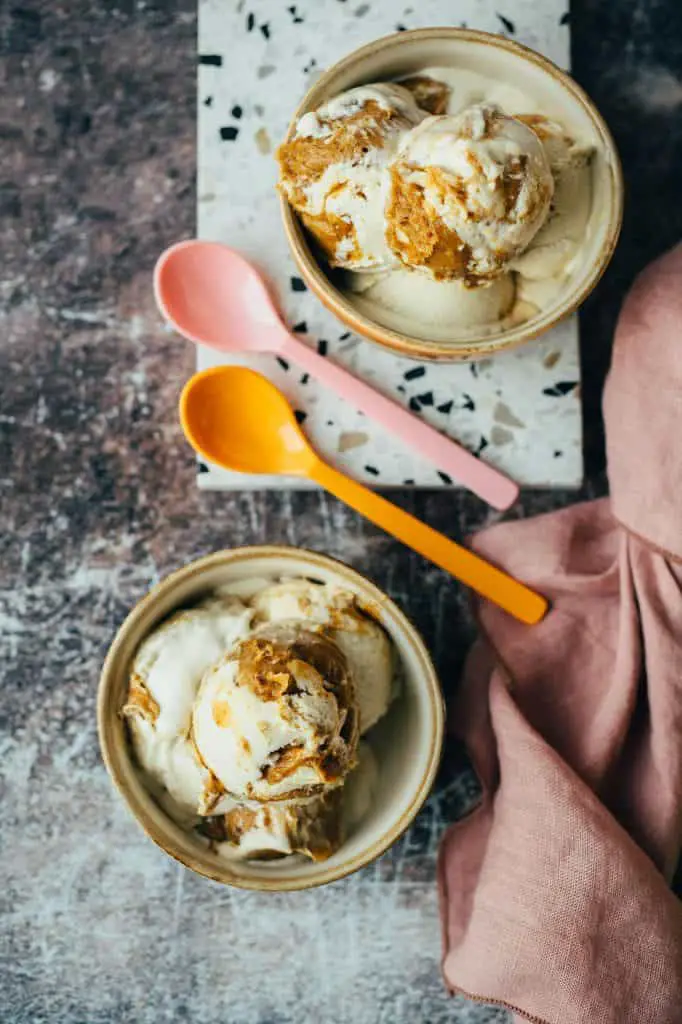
{"points": [[213, 296]]}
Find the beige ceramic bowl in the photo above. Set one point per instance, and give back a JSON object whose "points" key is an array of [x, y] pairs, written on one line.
{"points": [[407, 742], [558, 96]]}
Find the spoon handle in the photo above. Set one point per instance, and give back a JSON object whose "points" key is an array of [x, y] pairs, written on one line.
{"points": [[485, 481], [500, 588]]}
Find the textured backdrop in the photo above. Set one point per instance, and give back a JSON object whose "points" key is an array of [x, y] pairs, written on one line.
{"points": [[97, 121]]}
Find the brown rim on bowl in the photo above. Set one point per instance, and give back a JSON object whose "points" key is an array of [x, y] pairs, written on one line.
{"points": [[421, 349], [116, 753]]}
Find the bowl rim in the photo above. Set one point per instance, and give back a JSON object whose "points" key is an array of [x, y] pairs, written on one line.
{"points": [[428, 676], [432, 350]]}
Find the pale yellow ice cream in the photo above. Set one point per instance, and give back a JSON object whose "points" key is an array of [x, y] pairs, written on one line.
{"points": [[404, 299], [163, 684]]}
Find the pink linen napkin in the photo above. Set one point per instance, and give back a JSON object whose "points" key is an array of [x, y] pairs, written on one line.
{"points": [[554, 892]]}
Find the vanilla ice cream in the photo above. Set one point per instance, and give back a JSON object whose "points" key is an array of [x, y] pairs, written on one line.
{"points": [[404, 298], [333, 171], [244, 715], [163, 684]]}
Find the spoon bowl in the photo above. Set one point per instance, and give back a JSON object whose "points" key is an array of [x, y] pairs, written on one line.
{"points": [[213, 296], [236, 418]]}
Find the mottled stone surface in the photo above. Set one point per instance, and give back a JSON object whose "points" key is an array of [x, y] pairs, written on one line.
{"points": [[99, 499]]}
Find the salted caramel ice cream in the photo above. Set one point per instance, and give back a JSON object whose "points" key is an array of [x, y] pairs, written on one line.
{"points": [[333, 171], [245, 714], [478, 208], [364, 643], [277, 718], [467, 194]]}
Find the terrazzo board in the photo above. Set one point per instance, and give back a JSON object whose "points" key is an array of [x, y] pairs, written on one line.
{"points": [[521, 410]]}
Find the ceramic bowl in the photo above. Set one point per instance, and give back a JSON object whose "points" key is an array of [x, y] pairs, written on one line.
{"points": [[407, 742], [556, 94]]}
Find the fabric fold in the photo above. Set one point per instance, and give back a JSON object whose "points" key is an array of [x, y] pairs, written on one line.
{"points": [[554, 892]]}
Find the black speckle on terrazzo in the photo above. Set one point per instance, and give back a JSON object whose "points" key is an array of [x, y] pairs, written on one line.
{"points": [[202, 467], [426, 398], [444, 476], [446, 407], [208, 102], [229, 133], [297, 284], [468, 403], [565, 18], [236, 111], [413, 374], [345, 336], [482, 445], [213, 60], [372, 470], [250, 22], [295, 16], [562, 387], [414, 404], [265, 30], [558, 454], [322, 347], [300, 328], [282, 362], [507, 23], [305, 378], [300, 415]]}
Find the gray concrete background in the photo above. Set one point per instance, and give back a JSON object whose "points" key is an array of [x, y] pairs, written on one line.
{"points": [[98, 499]]}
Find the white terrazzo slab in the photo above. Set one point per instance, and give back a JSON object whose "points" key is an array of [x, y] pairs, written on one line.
{"points": [[521, 411]]}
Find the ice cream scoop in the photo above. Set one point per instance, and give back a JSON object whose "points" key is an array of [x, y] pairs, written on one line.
{"points": [[277, 718], [366, 646], [560, 238], [163, 683], [467, 194], [313, 826], [332, 170]]}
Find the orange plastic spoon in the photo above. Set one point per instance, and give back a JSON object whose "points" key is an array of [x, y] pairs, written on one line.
{"points": [[238, 419]]}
